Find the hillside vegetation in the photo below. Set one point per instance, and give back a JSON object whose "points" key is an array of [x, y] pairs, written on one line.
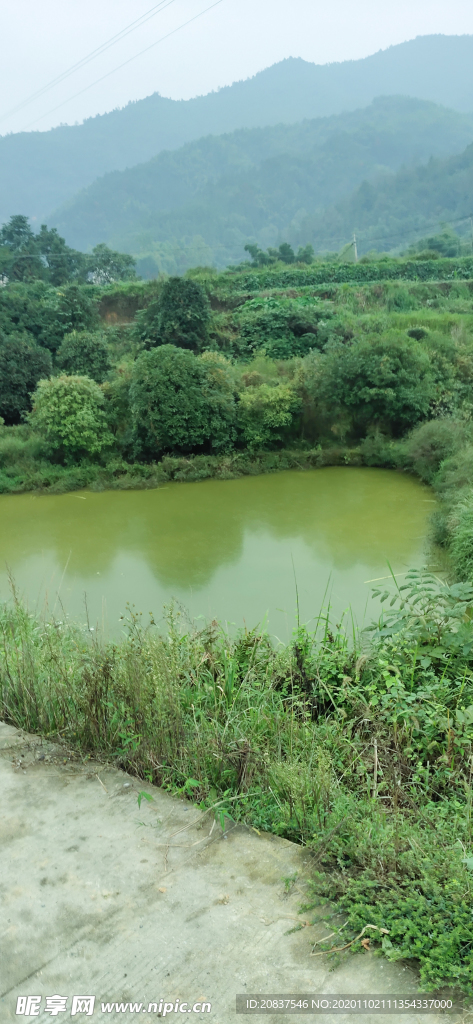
{"points": [[393, 209], [202, 203], [244, 371], [41, 170]]}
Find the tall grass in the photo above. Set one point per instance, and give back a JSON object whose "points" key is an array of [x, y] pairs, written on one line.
{"points": [[358, 746]]}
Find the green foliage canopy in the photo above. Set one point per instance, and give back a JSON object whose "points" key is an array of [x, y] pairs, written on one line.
{"points": [[25, 256], [105, 265], [46, 313], [180, 316], [22, 365], [383, 380], [284, 327], [266, 414], [181, 402], [86, 354], [68, 412]]}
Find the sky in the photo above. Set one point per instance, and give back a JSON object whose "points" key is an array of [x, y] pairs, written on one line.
{"points": [[234, 39]]}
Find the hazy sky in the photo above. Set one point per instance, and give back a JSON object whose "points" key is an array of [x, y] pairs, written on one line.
{"points": [[235, 39]]}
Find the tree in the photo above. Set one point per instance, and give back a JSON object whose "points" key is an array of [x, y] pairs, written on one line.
{"points": [[219, 392], [25, 256], [85, 354], [61, 263], [306, 254], [266, 414], [259, 256], [74, 309], [69, 413], [285, 253], [22, 365], [180, 316], [47, 314], [386, 381], [180, 402], [20, 257], [446, 243], [105, 265]]}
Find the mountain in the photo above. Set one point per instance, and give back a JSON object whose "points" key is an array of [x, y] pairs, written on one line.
{"points": [[41, 170], [390, 211], [220, 192]]}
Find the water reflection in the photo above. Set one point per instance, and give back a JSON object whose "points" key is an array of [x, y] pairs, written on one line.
{"points": [[223, 548]]}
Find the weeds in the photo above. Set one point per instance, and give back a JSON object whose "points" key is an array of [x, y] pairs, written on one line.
{"points": [[358, 746]]}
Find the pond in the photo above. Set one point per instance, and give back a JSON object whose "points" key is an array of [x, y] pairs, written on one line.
{"points": [[226, 549]]}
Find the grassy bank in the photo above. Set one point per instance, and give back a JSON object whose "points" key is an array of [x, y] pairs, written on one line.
{"points": [[359, 747], [34, 475]]}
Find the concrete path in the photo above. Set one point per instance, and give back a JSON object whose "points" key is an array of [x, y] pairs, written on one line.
{"points": [[93, 903]]}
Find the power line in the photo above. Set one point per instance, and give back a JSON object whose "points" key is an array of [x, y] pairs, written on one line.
{"points": [[125, 62], [90, 56], [390, 237]]}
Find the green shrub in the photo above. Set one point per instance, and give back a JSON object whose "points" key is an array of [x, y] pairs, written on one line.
{"points": [[399, 298], [455, 474], [22, 365], [180, 316], [19, 448], [385, 381], [379, 450], [429, 444], [285, 327], [71, 308], [68, 412], [461, 538], [85, 355], [266, 414], [181, 402]]}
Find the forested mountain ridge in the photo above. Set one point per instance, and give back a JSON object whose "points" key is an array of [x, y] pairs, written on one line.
{"points": [[41, 170], [255, 183], [392, 209]]}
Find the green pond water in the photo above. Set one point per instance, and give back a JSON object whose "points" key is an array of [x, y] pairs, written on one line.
{"points": [[224, 549]]}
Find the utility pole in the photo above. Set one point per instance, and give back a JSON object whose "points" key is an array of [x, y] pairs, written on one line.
{"points": [[355, 250]]}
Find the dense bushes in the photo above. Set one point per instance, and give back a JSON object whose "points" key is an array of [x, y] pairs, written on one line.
{"points": [[179, 317], [22, 365], [356, 273], [46, 313], [180, 402], [384, 381], [68, 413], [266, 414], [427, 447], [84, 354]]}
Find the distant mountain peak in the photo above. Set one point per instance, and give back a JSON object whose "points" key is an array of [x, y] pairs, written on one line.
{"points": [[41, 170]]}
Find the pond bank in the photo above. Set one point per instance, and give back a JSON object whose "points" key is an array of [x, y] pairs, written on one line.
{"points": [[121, 475]]}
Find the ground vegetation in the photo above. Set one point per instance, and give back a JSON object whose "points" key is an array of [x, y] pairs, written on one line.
{"points": [[359, 747]]}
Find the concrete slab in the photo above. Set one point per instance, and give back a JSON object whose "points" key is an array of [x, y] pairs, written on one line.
{"points": [[140, 905]]}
